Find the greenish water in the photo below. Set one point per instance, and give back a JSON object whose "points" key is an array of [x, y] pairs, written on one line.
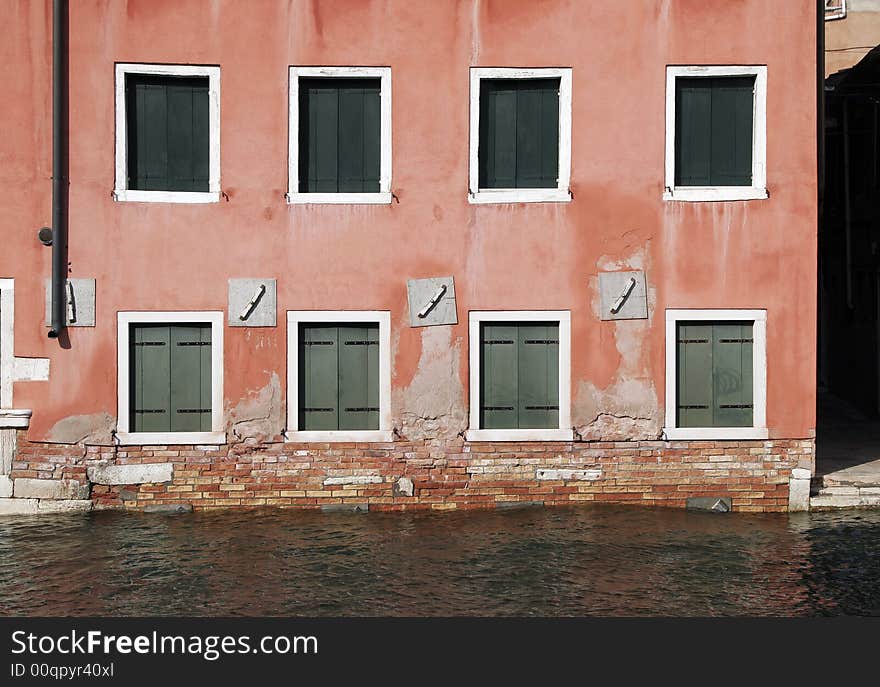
{"points": [[603, 561]]}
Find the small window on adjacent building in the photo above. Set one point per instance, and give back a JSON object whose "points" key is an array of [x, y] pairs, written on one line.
{"points": [[167, 133], [520, 368], [340, 135], [716, 374], [520, 135], [716, 133], [170, 378], [339, 376]]}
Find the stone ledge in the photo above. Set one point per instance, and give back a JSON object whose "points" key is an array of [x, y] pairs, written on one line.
{"points": [[146, 473], [39, 506], [353, 479], [568, 475], [58, 489]]}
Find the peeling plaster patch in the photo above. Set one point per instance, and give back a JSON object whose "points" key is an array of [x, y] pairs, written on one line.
{"points": [[95, 430], [628, 408], [433, 404], [259, 415]]}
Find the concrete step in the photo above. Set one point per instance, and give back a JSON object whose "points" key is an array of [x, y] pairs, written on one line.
{"points": [[845, 497]]}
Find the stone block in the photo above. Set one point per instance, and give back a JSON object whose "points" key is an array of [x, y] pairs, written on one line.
{"points": [[18, 506], [799, 493], [169, 508], [147, 473], [420, 292], [568, 474], [713, 504], [345, 508], [621, 299], [71, 506], [353, 479], [5, 487], [81, 306], [259, 313], [58, 489]]}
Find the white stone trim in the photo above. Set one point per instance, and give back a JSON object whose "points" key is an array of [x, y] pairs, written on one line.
{"points": [[758, 189], [561, 194], [380, 317], [293, 194], [565, 431], [121, 192], [759, 375], [7, 331], [123, 435]]}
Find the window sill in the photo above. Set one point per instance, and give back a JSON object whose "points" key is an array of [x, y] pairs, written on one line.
{"points": [[520, 195], [15, 418], [715, 433], [366, 435], [131, 196], [696, 194], [166, 438], [338, 198], [519, 435]]}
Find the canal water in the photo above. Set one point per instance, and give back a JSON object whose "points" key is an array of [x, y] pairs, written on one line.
{"points": [[597, 561]]}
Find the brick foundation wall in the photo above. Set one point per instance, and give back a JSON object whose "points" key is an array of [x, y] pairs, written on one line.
{"points": [[444, 475]]}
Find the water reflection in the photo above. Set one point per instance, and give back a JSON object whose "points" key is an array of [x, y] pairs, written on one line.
{"points": [[543, 562]]}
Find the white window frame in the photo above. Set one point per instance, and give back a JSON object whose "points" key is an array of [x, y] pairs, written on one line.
{"points": [[560, 194], [335, 317], [121, 192], [294, 196], [7, 361], [564, 432], [124, 436], [758, 189], [758, 430]]}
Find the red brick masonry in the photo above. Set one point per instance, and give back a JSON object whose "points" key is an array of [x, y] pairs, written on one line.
{"points": [[445, 475]]}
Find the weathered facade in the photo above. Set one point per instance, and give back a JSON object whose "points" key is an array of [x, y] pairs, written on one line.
{"points": [[619, 191]]}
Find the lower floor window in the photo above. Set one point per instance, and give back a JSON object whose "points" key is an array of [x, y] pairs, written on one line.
{"points": [[170, 377], [338, 376], [715, 370], [519, 375], [716, 374]]}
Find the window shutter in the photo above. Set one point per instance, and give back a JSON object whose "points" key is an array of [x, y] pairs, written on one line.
{"points": [[188, 135], [538, 376], [499, 117], [732, 374], [190, 378], [537, 133], [693, 132], [150, 375], [695, 403], [340, 135], [148, 152], [318, 378], [732, 121], [499, 344], [359, 377]]}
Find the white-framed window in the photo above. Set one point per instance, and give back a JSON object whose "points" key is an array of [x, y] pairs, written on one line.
{"points": [[167, 133], [716, 374], [339, 135], [339, 375], [520, 135], [520, 375], [170, 378], [716, 133]]}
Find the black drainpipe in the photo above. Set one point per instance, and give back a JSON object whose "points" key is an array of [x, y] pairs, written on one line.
{"points": [[59, 168]]}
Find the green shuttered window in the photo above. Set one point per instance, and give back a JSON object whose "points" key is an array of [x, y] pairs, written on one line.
{"points": [[519, 375], [714, 122], [339, 135], [519, 133], [715, 374], [168, 132], [170, 378], [338, 377]]}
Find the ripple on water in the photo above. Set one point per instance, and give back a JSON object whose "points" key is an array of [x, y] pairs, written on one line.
{"points": [[540, 562]]}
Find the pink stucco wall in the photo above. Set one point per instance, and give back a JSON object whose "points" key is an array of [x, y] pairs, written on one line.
{"points": [[756, 254]]}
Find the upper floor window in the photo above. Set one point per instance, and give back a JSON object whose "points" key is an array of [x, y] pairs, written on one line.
{"points": [[167, 133], [520, 148], [716, 133], [340, 135]]}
